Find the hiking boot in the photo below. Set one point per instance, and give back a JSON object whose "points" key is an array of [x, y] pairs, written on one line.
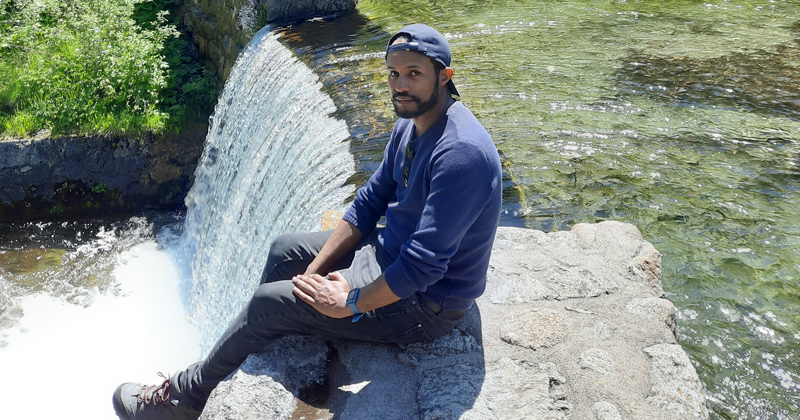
{"points": [[140, 402]]}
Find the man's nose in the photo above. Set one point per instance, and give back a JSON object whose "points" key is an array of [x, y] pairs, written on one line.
{"points": [[402, 84]]}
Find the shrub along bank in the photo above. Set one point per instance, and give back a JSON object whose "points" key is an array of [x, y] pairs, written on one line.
{"points": [[97, 67]]}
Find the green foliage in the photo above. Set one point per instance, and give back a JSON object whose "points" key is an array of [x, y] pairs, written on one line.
{"points": [[146, 13], [100, 188], [88, 66]]}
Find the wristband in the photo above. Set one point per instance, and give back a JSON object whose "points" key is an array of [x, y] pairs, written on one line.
{"points": [[352, 297]]}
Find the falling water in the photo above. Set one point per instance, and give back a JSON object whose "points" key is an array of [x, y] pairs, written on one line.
{"points": [[274, 162]]}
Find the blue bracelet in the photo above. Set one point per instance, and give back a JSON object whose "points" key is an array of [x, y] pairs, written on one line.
{"points": [[352, 297]]}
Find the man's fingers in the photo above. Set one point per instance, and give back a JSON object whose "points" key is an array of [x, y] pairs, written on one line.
{"points": [[303, 289], [336, 276], [302, 295], [310, 278]]}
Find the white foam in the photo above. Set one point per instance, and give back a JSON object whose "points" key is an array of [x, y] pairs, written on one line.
{"points": [[65, 361]]}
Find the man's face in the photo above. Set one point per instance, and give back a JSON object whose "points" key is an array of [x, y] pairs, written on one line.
{"points": [[413, 83]]}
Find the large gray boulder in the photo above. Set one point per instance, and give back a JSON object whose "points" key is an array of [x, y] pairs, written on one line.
{"points": [[573, 325]]}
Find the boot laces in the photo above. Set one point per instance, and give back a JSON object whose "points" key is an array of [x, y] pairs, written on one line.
{"points": [[155, 394]]}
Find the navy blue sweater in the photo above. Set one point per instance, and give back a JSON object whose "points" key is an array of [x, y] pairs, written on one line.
{"points": [[441, 198]]}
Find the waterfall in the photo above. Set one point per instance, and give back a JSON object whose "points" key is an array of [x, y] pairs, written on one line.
{"points": [[274, 161]]}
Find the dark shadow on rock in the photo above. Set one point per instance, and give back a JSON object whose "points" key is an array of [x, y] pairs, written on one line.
{"points": [[440, 379], [353, 380]]}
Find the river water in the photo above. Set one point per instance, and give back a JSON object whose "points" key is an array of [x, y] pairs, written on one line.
{"points": [[680, 117]]}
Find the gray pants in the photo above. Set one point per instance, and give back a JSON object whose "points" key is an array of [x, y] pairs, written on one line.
{"points": [[274, 311]]}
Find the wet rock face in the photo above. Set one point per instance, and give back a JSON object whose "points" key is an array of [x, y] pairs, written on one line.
{"points": [[90, 176], [568, 329]]}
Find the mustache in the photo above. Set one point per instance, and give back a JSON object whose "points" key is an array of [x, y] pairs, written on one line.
{"points": [[405, 95]]}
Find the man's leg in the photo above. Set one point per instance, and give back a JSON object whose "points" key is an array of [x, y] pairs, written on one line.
{"points": [[274, 311], [290, 254]]}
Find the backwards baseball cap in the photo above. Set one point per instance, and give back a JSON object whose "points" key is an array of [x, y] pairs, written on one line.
{"points": [[424, 40]]}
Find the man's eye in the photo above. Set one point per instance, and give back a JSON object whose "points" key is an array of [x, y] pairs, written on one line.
{"points": [[415, 73]]}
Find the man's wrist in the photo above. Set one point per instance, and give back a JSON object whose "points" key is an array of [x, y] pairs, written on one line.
{"points": [[352, 297]]}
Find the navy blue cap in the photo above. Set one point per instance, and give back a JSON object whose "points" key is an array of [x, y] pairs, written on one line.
{"points": [[424, 40]]}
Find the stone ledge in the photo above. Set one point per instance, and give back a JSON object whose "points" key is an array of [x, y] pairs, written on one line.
{"points": [[96, 175], [568, 328]]}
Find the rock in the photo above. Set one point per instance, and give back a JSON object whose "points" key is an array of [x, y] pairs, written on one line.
{"points": [[330, 219], [254, 396], [222, 28], [600, 331], [566, 329], [674, 385], [659, 310], [534, 328], [513, 390], [605, 411], [266, 384], [597, 360], [90, 176], [589, 261]]}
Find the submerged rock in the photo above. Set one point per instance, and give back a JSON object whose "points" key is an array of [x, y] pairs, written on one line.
{"points": [[573, 325]]}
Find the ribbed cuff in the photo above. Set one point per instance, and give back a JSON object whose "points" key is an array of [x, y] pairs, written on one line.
{"points": [[397, 281]]}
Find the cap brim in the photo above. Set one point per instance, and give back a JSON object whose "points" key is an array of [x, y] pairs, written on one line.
{"points": [[452, 87]]}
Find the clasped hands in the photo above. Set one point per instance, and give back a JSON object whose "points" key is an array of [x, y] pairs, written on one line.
{"points": [[328, 295]]}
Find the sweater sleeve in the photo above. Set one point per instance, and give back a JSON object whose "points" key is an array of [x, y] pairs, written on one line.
{"points": [[373, 198], [462, 183]]}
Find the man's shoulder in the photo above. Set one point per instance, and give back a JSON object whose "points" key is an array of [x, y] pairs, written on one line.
{"points": [[465, 142], [463, 127]]}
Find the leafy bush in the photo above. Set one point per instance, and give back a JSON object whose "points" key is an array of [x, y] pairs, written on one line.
{"points": [[89, 66]]}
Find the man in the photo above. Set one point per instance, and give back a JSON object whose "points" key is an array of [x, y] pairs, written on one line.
{"points": [[439, 187]]}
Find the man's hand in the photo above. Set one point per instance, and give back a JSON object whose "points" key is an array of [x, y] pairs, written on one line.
{"points": [[326, 295]]}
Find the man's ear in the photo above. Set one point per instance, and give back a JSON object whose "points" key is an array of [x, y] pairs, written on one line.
{"points": [[445, 75]]}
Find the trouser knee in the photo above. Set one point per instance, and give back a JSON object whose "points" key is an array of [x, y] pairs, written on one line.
{"points": [[291, 253], [282, 251]]}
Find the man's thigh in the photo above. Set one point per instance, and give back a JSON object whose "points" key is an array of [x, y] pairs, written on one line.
{"points": [[276, 311], [290, 254], [408, 320]]}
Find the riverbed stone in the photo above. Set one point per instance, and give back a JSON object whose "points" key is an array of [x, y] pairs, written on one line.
{"points": [[591, 342]]}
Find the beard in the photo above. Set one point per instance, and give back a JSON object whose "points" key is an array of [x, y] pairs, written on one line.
{"points": [[422, 107]]}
